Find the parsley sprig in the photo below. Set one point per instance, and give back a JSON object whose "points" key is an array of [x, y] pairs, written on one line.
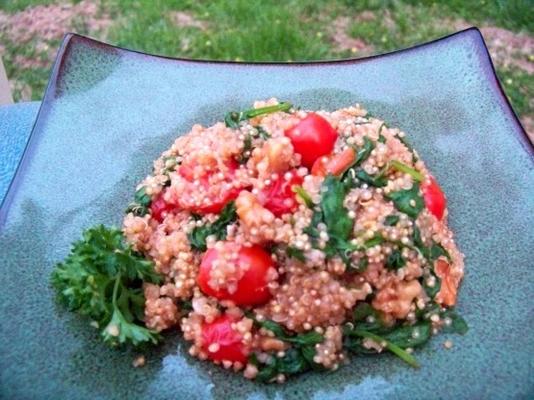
{"points": [[101, 278]]}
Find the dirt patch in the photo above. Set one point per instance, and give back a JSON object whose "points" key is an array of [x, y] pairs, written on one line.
{"points": [[343, 42], [528, 123], [185, 20], [47, 23], [507, 48]]}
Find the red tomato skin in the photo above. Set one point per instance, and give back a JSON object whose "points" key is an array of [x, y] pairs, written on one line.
{"points": [[279, 197], [216, 204], [312, 137], [230, 343], [435, 200], [159, 208], [252, 288]]}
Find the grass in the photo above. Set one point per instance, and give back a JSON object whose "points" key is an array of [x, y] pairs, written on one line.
{"points": [[262, 30]]}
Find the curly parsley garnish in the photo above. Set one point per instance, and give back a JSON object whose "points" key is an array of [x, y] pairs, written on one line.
{"points": [[101, 278]]}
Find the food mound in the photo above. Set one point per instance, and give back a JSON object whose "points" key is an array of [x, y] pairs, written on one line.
{"points": [[283, 240]]}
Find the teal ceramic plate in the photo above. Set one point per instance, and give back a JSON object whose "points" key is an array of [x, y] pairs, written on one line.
{"points": [[108, 113]]}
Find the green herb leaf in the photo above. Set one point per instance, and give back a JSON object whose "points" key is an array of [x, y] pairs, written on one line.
{"points": [[374, 241], [335, 215], [101, 278], [197, 237], [395, 260], [391, 220], [232, 119], [247, 148], [381, 138], [364, 152], [432, 291], [409, 147], [304, 339], [362, 265], [262, 133], [303, 194], [379, 180], [437, 251], [408, 201], [362, 311], [407, 170], [458, 324], [295, 253], [140, 204], [392, 347], [410, 335]]}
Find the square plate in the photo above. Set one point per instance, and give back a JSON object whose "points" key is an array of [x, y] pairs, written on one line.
{"points": [[109, 112]]}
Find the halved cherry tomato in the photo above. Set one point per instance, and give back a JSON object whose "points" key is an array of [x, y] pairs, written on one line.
{"points": [[229, 341], [278, 197], [159, 208], [334, 164], [434, 198], [252, 288], [312, 137], [447, 292], [215, 199]]}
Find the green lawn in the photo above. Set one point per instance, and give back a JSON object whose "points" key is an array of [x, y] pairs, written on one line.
{"points": [[263, 30]]}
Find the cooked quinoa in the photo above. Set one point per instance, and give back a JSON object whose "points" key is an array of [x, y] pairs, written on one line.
{"points": [[358, 239]]}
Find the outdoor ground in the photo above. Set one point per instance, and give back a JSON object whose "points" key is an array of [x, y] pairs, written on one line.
{"points": [[31, 30]]}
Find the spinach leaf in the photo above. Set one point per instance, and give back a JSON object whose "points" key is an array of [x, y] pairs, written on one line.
{"points": [[247, 149], [410, 335], [355, 345], [409, 147], [375, 240], [381, 138], [437, 250], [395, 260], [408, 201], [416, 175], [391, 220], [293, 252], [141, 203], [295, 360], [232, 119], [303, 194], [362, 311], [304, 339], [335, 215], [364, 152], [379, 180], [458, 324], [298, 358], [197, 237], [432, 291], [362, 265], [262, 133]]}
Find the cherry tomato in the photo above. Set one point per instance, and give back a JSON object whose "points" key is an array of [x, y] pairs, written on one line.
{"points": [[434, 198], [159, 208], [252, 288], [229, 341], [333, 164], [312, 137], [216, 196], [278, 197]]}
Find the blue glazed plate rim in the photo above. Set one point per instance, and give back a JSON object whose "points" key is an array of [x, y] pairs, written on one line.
{"points": [[71, 39]]}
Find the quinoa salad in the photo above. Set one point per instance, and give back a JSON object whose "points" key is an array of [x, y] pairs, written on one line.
{"points": [[278, 241]]}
